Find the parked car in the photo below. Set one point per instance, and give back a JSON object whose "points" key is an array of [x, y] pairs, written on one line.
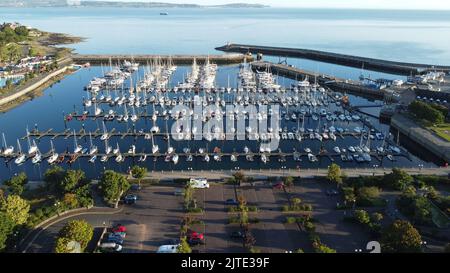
{"points": [[110, 247], [168, 249], [115, 238], [195, 241], [279, 186], [231, 202], [119, 228], [130, 199], [179, 192], [194, 235], [199, 183], [332, 192], [135, 187], [237, 235]]}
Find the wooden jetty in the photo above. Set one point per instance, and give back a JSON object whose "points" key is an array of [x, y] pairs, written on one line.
{"points": [[68, 133], [401, 68], [176, 59]]}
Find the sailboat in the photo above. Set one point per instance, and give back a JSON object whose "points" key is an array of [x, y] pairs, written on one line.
{"points": [[134, 117], [170, 149], [77, 148], [175, 158], [105, 134], [37, 157], [7, 150], [32, 148], [54, 156], [155, 148], [21, 157], [125, 115], [97, 110], [92, 148]]}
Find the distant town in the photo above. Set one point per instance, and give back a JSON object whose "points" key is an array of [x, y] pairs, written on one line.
{"points": [[117, 4]]}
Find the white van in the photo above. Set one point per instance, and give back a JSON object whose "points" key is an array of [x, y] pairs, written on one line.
{"points": [[199, 183], [168, 249]]}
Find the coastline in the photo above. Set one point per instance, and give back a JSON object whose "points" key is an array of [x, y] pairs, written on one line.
{"points": [[47, 43]]}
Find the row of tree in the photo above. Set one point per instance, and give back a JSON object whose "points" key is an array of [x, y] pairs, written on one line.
{"points": [[426, 111]]}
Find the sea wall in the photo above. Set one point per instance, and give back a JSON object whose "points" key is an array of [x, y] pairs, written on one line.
{"points": [[433, 143]]}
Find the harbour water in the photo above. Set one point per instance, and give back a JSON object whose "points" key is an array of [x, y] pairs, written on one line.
{"points": [[48, 112]]}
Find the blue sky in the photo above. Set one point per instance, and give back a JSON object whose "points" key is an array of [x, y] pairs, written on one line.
{"points": [[377, 4]]}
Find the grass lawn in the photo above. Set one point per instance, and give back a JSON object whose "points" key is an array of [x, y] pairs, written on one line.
{"points": [[38, 197], [439, 218], [442, 130]]}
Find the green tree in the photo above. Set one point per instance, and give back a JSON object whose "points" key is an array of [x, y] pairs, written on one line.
{"points": [[376, 217], [188, 195], [184, 246], [239, 177], [365, 195], [62, 245], [71, 180], [334, 174], [112, 186], [53, 177], [398, 179], [79, 231], [447, 248], [426, 111], [138, 173], [362, 217], [17, 183], [21, 31], [409, 192], [288, 181], [6, 229], [16, 208], [432, 193], [70, 200], [401, 236]]}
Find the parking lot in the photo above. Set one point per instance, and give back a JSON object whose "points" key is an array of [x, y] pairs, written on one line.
{"points": [[333, 231], [155, 219]]}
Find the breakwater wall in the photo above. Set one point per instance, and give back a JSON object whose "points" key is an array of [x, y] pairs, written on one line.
{"points": [[401, 68], [176, 59]]}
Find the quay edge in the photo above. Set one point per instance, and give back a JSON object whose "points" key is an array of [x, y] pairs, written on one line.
{"points": [[176, 59]]}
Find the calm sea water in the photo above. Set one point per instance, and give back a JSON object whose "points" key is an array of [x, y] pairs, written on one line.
{"points": [[416, 36]]}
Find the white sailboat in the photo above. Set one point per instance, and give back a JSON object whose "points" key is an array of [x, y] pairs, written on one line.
{"points": [[105, 134], [77, 148], [32, 148], [155, 148], [7, 150], [21, 157], [54, 156], [92, 148], [37, 157]]}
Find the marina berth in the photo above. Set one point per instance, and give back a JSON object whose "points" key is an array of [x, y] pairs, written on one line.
{"points": [[139, 105]]}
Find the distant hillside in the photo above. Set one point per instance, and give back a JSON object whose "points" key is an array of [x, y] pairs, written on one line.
{"points": [[118, 4]]}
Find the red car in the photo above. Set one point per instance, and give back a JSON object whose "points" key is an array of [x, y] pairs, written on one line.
{"points": [[279, 186], [119, 228], [193, 235]]}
